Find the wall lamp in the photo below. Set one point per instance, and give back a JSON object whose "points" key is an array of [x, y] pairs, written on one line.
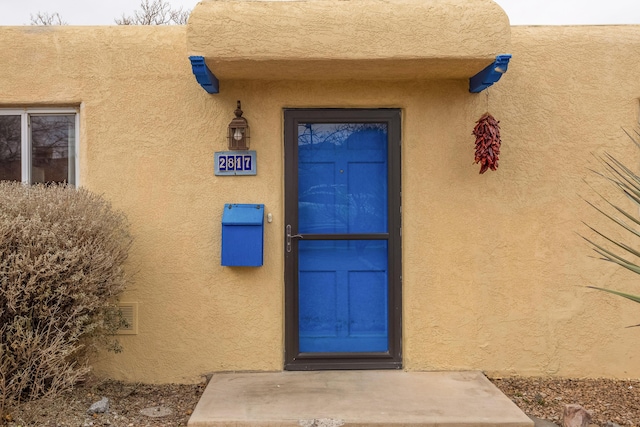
{"points": [[238, 133]]}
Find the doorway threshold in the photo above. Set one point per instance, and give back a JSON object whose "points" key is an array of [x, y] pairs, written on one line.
{"points": [[355, 398]]}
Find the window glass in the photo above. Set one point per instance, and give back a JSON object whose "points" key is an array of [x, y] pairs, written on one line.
{"points": [[39, 145], [52, 148], [10, 148]]}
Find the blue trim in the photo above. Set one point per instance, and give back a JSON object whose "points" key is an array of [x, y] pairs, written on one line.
{"points": [[490, 74], [203, 74]]}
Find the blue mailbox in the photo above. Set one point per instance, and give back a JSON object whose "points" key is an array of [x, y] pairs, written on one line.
{"points": [[242, 235]]}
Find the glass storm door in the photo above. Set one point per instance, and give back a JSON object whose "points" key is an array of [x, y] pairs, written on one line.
{"points": [[342, 239]]}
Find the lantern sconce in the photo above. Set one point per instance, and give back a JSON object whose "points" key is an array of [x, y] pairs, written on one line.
{"points": [[238, 133]]}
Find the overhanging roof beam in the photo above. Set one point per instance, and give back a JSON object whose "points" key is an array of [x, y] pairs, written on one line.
{"points": [[490, 74], [203, 74]]}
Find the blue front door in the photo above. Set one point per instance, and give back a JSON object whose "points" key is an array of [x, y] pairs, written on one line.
{"points": [[342, 239]]}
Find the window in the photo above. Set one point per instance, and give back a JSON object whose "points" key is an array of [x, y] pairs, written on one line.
{"points": [[39, 145]]}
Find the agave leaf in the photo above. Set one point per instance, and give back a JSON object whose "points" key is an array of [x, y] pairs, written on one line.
{"points": [[619, 244], [611, 256], [628, 173], [618, 260], [628, 187], [620, 167], [635, 298], [634, 198], [629, 184], [619, 174], [614, 219], [635, 141], [627, 181], [623, 212], [613, 180]]}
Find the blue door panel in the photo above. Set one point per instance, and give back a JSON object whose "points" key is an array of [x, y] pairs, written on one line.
{"points": [[368, 316], [343, 296], [318, 306], [342, 178], [368, 197], [319, 199], [342, 282]]}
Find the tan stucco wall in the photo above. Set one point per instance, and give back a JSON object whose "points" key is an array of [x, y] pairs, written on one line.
{"points": [[492, 265], [329, 39]]}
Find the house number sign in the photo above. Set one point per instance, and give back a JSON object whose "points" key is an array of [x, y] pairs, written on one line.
{"points": [[235, 163]]}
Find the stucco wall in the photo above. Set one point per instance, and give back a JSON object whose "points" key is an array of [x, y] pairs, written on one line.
{"points": [[329, 39], [492, 265]]}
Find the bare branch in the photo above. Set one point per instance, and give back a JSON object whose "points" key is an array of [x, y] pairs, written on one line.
{"points": [[155, 12], [180, 17], [46, 18]]}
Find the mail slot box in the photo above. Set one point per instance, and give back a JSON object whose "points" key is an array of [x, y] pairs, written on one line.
{"points": [[242, 235]]}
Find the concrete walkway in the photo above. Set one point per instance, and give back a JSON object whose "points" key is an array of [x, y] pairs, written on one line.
{"points": [[355, 398]]}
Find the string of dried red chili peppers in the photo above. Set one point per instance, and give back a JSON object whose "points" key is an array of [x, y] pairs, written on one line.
{"points": [[487, 133]]}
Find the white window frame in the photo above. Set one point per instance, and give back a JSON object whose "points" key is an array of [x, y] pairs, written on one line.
{"points": [[25, 135]]}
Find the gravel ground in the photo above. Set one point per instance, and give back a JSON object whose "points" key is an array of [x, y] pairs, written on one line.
{"points": [[615, 401], [130, 405], [140, 405]]}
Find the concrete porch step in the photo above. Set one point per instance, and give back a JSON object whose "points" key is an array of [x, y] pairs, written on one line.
{"points": [[355, 398]]}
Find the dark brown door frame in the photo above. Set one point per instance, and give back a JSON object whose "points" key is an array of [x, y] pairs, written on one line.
{"points": [[294, 360]]}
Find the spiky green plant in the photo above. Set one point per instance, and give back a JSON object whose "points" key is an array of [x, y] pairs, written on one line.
{"points": [[628, 182]]}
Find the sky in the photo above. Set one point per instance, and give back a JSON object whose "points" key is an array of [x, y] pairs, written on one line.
{"points": [[520, 12]]}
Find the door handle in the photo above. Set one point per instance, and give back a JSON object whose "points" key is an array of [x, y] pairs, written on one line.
{"points": [[291, 236]]}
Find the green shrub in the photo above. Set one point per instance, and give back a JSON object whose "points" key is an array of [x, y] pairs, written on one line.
{"points": [[627, 183], [62, 252]]}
